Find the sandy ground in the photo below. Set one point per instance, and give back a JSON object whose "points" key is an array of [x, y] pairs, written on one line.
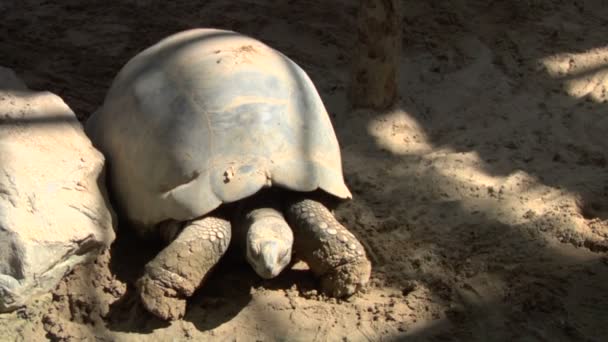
{"points": [[482, 198]]}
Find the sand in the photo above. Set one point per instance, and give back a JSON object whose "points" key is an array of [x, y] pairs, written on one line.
{"points": [[481, 198]]}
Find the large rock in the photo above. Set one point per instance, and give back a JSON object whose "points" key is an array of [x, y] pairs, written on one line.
{"points": [[53, 208]]}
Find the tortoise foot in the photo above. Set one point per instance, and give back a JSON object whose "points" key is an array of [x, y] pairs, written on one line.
{"points": [[162, 301], [346, 280], [179, 269], [332, 252]]}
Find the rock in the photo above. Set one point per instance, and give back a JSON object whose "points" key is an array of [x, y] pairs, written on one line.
{"points": [[54, 212]]}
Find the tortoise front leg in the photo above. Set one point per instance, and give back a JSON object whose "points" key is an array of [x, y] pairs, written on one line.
{"points": [[179, 269], [332, 252]]}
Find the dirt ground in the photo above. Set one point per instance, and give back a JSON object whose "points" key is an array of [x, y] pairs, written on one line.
{"points": [[482, 198]]}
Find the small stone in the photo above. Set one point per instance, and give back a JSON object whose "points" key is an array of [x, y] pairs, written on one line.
{"points": [[205, 237], [343, 238], [323, 225], [220, 235], [212, 238], [352, 246], [332, 231], [359, 253]]}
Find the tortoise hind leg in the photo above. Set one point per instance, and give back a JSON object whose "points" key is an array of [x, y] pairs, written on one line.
{"points": [[179, 269], [330, 250]]}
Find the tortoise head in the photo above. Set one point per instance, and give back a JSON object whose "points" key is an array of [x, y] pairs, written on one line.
{"points": [[269, 242]]}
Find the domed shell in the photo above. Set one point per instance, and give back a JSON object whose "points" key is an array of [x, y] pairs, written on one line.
{"points": [[206, 117]]}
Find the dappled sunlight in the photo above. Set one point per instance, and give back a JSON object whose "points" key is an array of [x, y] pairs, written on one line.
{"points": [[491, 237], [399, 132], [481, 199], [464, 177], [582, 74], [505, 199]]}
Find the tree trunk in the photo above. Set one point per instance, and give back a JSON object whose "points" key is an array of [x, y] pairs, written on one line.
{"points": [[377, 51]]}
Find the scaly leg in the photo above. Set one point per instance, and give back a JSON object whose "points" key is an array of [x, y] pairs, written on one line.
{"points": [[332, 252], [179, 269]]}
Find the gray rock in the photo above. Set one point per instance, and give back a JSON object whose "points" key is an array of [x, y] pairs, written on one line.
{"points": [[54, 212]]}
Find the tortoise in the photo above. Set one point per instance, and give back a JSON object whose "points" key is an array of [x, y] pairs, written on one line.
{"points": [[206, 119]]}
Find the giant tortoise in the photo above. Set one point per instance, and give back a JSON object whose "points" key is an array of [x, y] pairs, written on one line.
{"points": [[205, 119]]}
